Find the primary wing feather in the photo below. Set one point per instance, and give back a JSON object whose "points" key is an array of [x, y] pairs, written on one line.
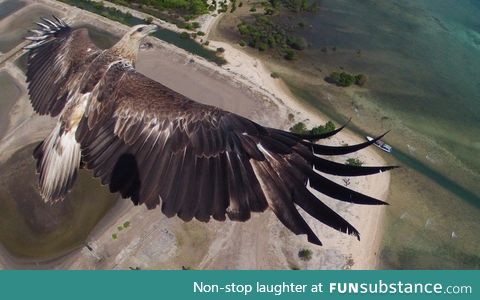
{"points": [[56, 61]]}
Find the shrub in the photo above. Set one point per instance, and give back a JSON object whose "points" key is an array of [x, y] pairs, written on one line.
{"points": [[329, 126], [262, 46], [114, 236], [354, 162], [299, 128], [148, 20], [200, 33], [297, 43], [126, 224], [349, 263], [360, 79], [289, 54], [275, 75], [344, 79], [305, 254], [220, 50], [184, 35], [264, 34]]}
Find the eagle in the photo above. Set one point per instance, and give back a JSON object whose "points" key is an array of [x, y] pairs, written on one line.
{"points": [[157, 147]]}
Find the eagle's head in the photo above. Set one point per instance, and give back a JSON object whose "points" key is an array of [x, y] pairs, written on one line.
{"points": [[129, 45], [138, 32]]}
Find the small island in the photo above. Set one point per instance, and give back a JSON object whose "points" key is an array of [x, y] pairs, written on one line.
{"points": [[344, 79]]}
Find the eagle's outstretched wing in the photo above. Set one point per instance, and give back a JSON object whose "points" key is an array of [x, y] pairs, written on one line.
{"points": [[156, 146], [57, 57]]}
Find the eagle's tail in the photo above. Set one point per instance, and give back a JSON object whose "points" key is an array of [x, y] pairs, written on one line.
{"points": [[58, 158]]}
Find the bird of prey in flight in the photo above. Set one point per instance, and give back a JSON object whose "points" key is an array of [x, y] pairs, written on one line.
{"points": [[160, 148]]}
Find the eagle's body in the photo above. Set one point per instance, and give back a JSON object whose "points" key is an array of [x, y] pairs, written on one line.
{"points": [[156, 146]]}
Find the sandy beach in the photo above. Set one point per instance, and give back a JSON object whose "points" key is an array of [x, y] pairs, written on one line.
{"points": [[152, 241]]}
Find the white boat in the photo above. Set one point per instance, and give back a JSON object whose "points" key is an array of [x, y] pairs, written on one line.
{"points": [[382, 145]]}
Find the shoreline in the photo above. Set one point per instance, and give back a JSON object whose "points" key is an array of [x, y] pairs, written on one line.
{"points": [[245, 70], [258, 73]]}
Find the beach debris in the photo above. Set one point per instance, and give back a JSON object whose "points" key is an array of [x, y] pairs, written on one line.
{"points": [[428, 222], [92, 251], [411, 149]]}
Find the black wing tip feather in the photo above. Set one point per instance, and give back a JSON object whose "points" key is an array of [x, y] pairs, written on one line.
{"points": [[314, 240], [339, 192], [341, 150]]}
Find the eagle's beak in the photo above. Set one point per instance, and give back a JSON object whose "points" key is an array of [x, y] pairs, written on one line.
{"points": [[151, 29]]}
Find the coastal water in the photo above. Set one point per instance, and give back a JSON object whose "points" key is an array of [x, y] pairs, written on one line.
{"points": [[422, 59]]}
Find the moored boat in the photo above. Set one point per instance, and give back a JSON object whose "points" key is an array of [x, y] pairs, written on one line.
{"points": [[380, 144]]}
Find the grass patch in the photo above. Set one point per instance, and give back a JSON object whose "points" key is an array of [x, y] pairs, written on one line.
{"points": [[354, 162], [305, 254], [301, 128]]}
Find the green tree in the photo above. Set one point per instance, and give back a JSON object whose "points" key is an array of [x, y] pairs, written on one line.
{"points": [[305, 254], [354, 162], [361, 79], [148, 20], [299, 128], [321, 129]]}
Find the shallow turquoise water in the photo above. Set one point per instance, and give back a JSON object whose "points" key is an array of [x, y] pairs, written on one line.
{"points": [[423, 63]]}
